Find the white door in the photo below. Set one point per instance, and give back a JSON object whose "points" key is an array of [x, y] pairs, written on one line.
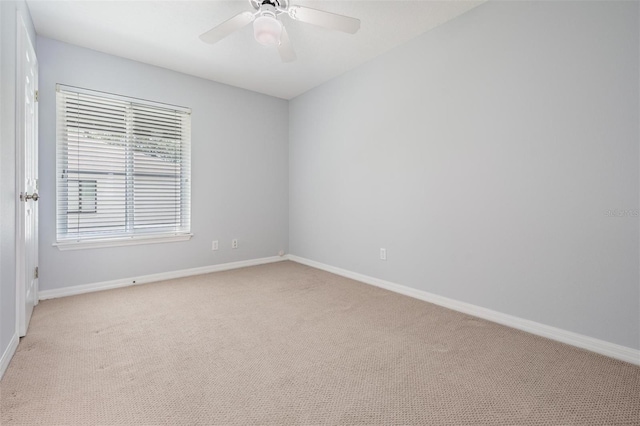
{"points": [[27, 178]]}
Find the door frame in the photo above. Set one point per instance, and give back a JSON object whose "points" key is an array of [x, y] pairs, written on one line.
{"points": [[22, 42]]}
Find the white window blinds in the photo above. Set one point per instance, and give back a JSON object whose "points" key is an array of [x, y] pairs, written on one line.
{"points": [[123, 167]]}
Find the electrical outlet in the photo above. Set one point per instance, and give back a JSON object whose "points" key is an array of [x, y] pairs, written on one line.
{"points": [[383, 254], [214, 245], [234, 243]]}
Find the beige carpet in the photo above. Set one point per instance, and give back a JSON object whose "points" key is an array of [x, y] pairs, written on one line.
{"points": [[287, 344]]}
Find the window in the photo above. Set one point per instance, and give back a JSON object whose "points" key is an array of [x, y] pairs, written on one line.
{"points": [[123, 170], [87, 192]]}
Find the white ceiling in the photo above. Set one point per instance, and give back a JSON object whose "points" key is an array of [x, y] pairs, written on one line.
{"points": [[165, 33]]}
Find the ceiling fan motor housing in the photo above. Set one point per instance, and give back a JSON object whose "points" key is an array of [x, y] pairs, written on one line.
{"points": [[275, 4]]}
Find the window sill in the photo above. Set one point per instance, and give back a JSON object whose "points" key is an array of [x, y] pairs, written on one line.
{"points": [[118, 242]]}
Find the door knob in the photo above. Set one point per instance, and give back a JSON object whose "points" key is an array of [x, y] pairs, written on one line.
{"points": [[27, 197]]}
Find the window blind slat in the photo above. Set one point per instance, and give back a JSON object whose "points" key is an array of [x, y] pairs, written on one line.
{"points": [[123, 167]]}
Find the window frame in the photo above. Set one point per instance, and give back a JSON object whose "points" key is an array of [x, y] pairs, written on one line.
{"points": [[128, 236]]}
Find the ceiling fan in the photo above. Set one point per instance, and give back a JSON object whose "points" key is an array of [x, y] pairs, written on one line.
{"points": [[268, 28]]}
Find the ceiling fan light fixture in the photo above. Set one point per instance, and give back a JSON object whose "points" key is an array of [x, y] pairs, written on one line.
{"points": [[267, 30]]}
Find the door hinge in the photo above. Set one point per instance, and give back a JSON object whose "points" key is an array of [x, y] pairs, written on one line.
{"points": [[37, 95], [36, 273]]}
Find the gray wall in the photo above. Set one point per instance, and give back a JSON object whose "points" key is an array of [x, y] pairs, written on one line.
{"points": [[239, 168], [484, 156], [8, 195]]}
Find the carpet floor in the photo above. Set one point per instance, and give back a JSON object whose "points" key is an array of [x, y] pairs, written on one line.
{"points": [[284, 344]]}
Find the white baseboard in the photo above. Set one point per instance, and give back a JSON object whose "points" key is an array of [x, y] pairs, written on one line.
{"points": [[8, 354], [601, 347], [144, 279]]}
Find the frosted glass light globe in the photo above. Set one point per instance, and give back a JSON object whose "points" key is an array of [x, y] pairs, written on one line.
{"points": [[267, 30]]}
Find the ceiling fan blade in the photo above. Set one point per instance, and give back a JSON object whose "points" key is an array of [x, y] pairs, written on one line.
{"points": [[285, 48], [216, 34], [325, 19]]}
